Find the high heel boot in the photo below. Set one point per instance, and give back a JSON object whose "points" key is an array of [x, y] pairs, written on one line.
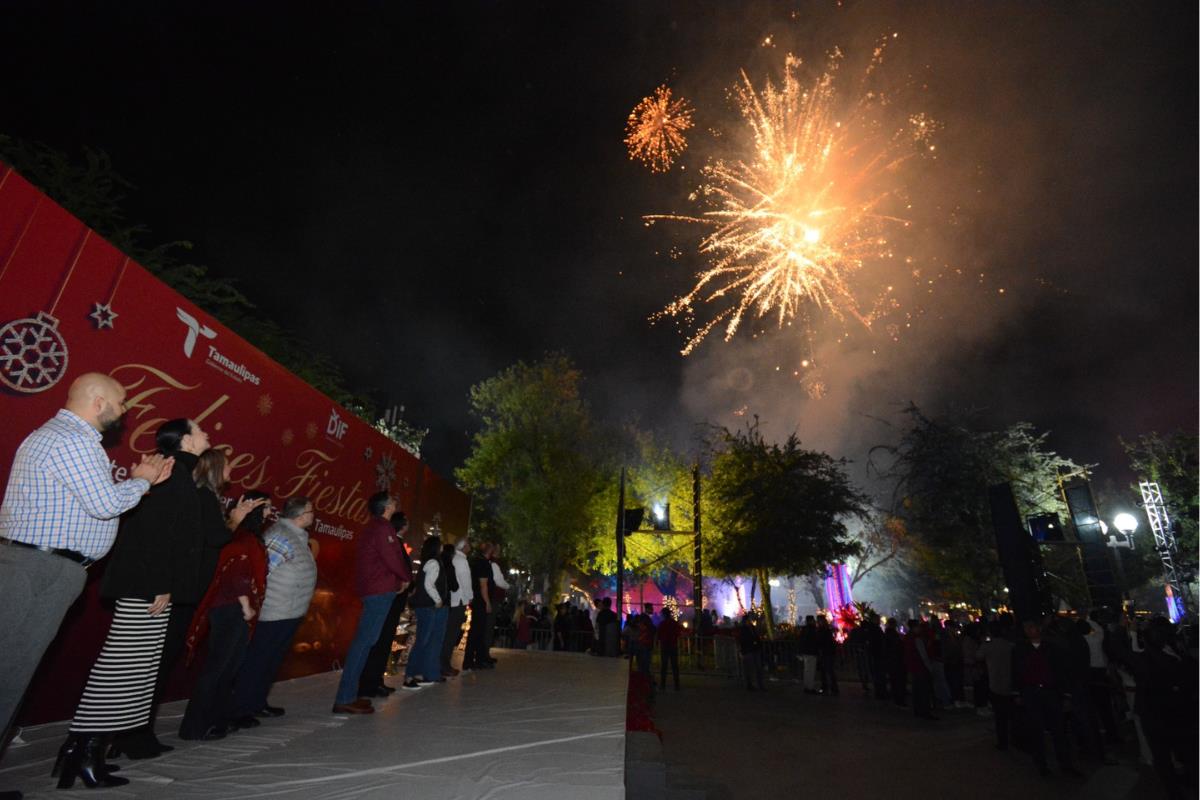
{"points": [[86, 762], [68, 747]]}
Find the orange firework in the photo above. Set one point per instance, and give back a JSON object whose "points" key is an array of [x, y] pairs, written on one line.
{"points": [[806, 208], [655, 128]]}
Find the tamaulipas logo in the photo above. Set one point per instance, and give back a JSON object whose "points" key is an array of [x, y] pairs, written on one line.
{"points": [[196, 329]]}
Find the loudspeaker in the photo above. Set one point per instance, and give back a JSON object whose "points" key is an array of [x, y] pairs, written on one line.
{"points": [[1097, 560], [1020, 558]]}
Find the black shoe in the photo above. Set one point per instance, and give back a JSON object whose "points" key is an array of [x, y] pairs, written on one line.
{"points": [[269, 711], [13, 795], [248, 721], [215, 732], [137, 744], [86, 762], [412, 684]]}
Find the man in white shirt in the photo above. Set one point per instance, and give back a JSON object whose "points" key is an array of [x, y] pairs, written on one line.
{"points": [[460, 598], [499, 592]]}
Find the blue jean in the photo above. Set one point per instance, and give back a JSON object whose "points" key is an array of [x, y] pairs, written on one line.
{"points": [[374, 611], [425, 658]]}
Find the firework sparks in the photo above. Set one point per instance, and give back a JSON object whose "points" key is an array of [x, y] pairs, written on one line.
{"points": [[792, 222], [654, 132]]}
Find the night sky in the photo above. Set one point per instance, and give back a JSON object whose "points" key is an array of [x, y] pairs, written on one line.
{"points": [[433, 191]]}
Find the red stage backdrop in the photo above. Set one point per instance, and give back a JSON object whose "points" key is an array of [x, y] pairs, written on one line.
{"points": [[71, 303]]}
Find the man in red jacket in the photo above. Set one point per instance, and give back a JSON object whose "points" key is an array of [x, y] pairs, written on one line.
{"points": [[379, 573], [668, 643]]}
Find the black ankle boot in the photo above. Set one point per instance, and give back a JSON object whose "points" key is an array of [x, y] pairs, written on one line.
{"points": [[86, 762], [70, 746]]}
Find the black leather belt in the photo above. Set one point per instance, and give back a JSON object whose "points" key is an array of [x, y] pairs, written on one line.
{"points": [[71, 555]]}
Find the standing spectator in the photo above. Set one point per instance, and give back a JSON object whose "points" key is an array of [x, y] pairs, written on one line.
{"points": [[429, 604], [454, 561], [1100, 684], [856, 641], [226, 614], [826, 655], [525, 621], [952, 657], [893, 655], [379, 573], [669, 632], [873, 635], [935, 649], [920, 668], [1072, 638], [371, 684], [1040, 678], [59, 516], [750, 645], [607, 627], [291, 579], [159, 557], [808, 654], [1166, 705], [974, 671], [996, 653], [499, 588], [475, 656]]}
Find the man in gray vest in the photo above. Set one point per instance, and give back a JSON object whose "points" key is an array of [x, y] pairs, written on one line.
{"points": [[291, 579]]}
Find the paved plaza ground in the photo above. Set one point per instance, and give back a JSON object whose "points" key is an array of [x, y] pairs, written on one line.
{"points": [[720, 741], [542, 726]]}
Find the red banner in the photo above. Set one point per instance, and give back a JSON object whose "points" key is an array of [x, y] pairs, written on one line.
{"points": [[71, 303]]}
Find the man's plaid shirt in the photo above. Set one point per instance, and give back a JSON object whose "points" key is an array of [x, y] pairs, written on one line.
{"points": [[61, 492]]}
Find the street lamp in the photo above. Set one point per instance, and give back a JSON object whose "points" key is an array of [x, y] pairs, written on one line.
{"points": [[1126, 523]]}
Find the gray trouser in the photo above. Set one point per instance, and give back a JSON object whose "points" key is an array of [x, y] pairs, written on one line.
{"points": [[36, 589]]}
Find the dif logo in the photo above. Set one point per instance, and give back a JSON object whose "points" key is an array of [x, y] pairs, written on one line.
{"points": [[337, 427]]}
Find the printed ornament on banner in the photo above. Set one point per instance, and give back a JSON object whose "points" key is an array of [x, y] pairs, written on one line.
{"points": [[33, 354]]}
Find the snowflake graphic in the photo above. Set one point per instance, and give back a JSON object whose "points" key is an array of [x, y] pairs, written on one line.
{"points": [[385, 472], [367, 453], [288, 437], [33, 354], [265, 404], [310, 430]]}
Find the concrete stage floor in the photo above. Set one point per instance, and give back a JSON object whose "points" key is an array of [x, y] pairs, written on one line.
{"points": [[541, 725]]}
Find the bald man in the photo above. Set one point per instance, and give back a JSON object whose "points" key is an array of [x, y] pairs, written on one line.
{"points": [[59, 516]]}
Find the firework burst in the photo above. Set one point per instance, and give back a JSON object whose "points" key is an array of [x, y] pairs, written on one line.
{"points": [[654, 132], [795, 219]]}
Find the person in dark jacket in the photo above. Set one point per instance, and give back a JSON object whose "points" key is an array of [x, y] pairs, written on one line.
{"points": [[750, 645], [371, 683], [893, 656], [1040, 676], [873, 638], [1166, 705], [155, 561], [379, 573], [826, 653], [226, 613], [430, 594]]}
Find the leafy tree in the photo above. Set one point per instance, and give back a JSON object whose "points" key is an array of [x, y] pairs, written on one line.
{"points": [[536, 462], [95, 192], [778, 508], [942, 468]]}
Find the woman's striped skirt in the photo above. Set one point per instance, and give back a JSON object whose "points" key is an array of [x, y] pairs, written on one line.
{"points": [[120, 688]]}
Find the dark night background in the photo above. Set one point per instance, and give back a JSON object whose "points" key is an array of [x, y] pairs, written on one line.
{"points": [[434, 191]]}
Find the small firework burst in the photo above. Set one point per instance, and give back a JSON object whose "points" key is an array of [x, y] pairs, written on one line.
{"points": [[654, 132], [265, 404]]}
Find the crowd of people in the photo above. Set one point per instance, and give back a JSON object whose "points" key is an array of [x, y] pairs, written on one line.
{"points": [[189, 569], [189, 573], [1088, 682]]}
